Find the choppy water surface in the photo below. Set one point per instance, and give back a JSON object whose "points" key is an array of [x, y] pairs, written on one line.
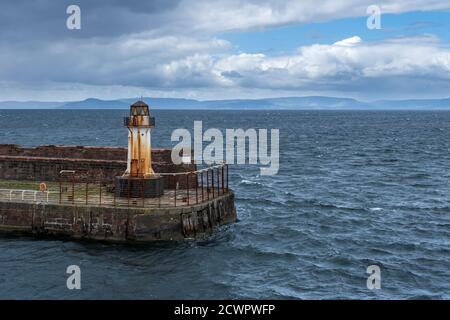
{"points": [[354, 189]]}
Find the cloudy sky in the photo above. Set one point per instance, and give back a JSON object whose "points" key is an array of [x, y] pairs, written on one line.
{"points": [[208, 49]]}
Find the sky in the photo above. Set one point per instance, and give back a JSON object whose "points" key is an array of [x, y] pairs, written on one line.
{"points": [[224, 49]]}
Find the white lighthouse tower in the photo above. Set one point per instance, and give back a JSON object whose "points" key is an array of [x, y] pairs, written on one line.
{"points": [[139, 124], [139, 179]]}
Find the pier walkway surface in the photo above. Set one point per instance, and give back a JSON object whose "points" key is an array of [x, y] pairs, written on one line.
{"points": [[97, 195], [182, 189], [194, 203]]}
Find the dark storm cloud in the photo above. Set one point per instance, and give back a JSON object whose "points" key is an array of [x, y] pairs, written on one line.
{"points": [[45, 20], [35, 44]]}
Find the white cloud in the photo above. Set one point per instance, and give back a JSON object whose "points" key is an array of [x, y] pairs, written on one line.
{"points": [[177, 48], [340, 65], [135, 60], [224, 15], [175, 64], [349, 42]]}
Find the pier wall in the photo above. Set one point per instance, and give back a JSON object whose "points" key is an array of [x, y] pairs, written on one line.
{"points": [[117, 224], [43, 163]]}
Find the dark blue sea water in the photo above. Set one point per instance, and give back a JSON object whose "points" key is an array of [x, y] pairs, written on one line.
{"points": [[354, 189]]}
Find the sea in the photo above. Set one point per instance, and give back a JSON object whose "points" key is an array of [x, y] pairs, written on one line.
{"points": [[355, 189]]}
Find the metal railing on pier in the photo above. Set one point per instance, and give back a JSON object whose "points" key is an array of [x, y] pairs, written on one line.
{"points": [[180, 189], [14, 195]]}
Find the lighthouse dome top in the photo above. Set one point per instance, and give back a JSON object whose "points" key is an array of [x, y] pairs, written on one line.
{"points": [[139, 108], [139, 103]]}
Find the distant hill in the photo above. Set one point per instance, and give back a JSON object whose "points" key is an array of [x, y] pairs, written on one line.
{"points": [[29, 105], [92, 103], [318, 102], [414, 104], [168, 103], [283, 103]]}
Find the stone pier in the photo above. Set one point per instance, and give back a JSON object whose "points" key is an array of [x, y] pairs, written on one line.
{"points": [[117, 224]]}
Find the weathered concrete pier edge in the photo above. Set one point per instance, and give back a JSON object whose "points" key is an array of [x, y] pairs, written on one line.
{"points": [[117, 224]]}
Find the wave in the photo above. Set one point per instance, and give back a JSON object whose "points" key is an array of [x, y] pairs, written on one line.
{"points": [[249, 182]]}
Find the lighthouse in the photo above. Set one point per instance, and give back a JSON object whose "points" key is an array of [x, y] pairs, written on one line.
{"points": [[139, 179]]}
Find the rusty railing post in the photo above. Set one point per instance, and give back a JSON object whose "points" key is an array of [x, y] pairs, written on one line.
{"points": [[187, 188], [87, 194], [73, 189], [212, 181], [60, 190], [218, 178], [114, 196], [207, 183], [196, 187], [176, 187], [223, 182], [202, 186], [227, 177], [100, 195], [128, 190]]}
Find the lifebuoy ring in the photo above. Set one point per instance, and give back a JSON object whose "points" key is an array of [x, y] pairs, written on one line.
{"points": [[42, 186]]}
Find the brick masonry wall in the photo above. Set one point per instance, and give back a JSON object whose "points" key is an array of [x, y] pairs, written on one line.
{"points": [[43, 163], [79, 152]]}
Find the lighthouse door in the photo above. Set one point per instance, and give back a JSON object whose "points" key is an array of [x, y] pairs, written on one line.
{"points": [[134, 167]]}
